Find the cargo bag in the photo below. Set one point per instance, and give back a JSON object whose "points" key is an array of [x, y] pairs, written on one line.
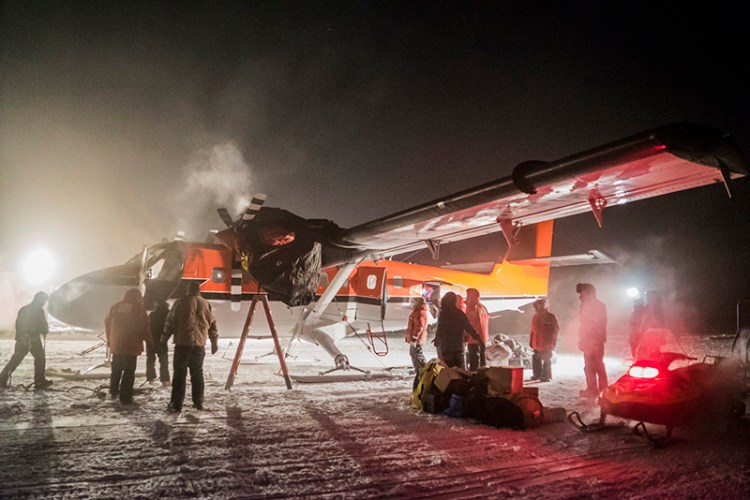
{"points": [[427, 376], [434, 401]]}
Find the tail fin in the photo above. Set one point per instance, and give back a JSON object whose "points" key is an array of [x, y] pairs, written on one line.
{"points": [[532, 241], [525, 268]]}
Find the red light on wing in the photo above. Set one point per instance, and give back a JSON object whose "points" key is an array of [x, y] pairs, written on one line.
{"points": [[643, 372]]}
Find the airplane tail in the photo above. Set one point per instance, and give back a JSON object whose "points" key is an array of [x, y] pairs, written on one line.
{"points": [[531, 241]]}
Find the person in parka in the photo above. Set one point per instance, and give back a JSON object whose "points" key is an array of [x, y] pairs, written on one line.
{"points": [[31, 327], [544, 329], [158, 348], [592, 335], [479, 318], [192, 322], [127, 328], [416, 335], [452, 325]]}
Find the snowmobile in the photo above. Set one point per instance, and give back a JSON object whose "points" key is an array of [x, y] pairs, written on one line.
{"points": [[672, 391]]}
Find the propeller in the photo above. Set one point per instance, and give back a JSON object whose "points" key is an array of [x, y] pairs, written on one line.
{"points": [[249, 214], [230, 238], [254, 207], [225, 217]]}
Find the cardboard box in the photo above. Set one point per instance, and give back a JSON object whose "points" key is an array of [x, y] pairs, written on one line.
{"points": [[504, 381], [445, 377]]}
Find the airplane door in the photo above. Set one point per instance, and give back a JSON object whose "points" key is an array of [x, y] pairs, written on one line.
{"points": [[432, 294], [369, 290], [163, 276]]}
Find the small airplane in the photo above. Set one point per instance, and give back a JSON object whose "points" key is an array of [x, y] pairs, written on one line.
{"points": [[325, 282]]}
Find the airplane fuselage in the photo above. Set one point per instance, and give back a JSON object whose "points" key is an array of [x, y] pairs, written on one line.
{"points": [[376, 295]]}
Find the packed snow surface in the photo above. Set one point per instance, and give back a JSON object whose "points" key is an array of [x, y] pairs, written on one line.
{"points": [[339, 440]]}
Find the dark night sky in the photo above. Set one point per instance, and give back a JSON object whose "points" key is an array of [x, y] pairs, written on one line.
{"points": [[121, 124]]}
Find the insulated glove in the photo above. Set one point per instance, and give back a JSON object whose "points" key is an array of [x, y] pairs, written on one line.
{"points": [[214, 346]]}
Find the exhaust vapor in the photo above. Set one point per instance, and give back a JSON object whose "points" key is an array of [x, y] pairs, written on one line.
{"points": [[216, 177]]}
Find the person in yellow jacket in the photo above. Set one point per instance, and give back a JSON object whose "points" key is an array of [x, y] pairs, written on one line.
{"points": [[416, 335]]}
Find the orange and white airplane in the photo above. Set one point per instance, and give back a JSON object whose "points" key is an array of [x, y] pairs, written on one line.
{"points": [[325, 283]]}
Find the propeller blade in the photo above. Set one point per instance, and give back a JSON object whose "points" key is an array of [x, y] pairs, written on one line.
{"points": [[225, 217], [254, 207]]}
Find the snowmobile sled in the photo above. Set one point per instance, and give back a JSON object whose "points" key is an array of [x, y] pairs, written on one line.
{"points": [[671, 391]]}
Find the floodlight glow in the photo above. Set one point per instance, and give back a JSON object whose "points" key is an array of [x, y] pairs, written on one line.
{"points": [[633, 292], [38, 267]]}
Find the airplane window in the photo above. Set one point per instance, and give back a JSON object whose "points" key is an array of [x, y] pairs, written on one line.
{"points": [[398, 282], [372, 280], [155, 269], [154, 253], [218, 275], [169, 266], [173, 263]]}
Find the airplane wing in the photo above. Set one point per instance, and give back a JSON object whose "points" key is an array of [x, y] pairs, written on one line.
{"points": [[284, 252], [654, 163]]}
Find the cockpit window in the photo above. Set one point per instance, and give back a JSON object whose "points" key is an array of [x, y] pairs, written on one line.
{"points": [[163, 262], [154, 253]]}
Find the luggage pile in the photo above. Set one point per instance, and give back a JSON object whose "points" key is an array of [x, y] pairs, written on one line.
{"points": [[492, 395]]}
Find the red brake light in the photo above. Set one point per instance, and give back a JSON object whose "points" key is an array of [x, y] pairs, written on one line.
{"points": [[643, 372]]}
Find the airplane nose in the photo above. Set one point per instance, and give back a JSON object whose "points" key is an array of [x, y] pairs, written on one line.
{"points": [[84, 301]]}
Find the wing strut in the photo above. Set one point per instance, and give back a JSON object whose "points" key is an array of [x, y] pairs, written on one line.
{"points": [[312, 312], [510, 230], [726, 177], [434, 247]]}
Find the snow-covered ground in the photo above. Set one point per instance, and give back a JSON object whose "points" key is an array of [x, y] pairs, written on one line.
{"points": [[340, 440]]}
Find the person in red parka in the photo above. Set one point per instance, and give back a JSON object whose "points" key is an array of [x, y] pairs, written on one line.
{"points": [[592, 335], [479, 318], [127, 329], [544, 329], [416, 335]]}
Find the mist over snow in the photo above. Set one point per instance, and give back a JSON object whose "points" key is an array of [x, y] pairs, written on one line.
{"points": [[12, 298]]}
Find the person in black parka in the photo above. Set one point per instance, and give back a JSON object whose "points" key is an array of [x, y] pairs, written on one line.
{"points": [[452, 325], [31, 328], [158, 348]]}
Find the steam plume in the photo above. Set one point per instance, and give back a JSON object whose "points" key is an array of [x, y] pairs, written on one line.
{"points": [[216, 177]]}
